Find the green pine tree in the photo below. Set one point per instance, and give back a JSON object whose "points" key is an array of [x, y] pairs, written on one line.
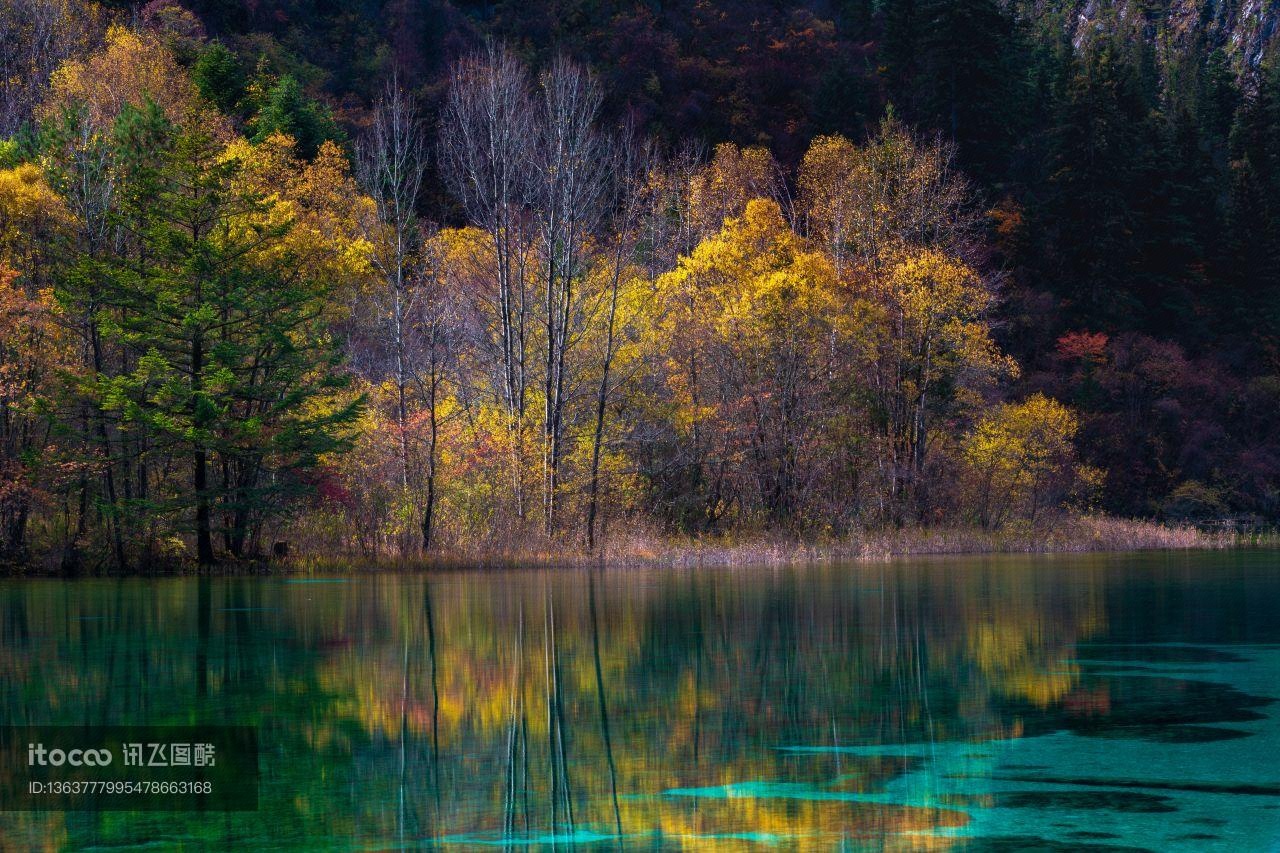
{"points": [[219, 76], [286, 109], [233, 359]]}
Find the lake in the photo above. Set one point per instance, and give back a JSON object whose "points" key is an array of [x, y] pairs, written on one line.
{"points": [[1061, 702]]}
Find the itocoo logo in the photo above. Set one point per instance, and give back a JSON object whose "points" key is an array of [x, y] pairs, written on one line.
{"points": [[37, 754]]}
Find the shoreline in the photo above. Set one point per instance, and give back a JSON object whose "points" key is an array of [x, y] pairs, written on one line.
{"points": [[1070, 535]]}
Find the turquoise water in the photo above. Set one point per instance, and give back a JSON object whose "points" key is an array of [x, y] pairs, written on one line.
{"points": [[1071, 703]]}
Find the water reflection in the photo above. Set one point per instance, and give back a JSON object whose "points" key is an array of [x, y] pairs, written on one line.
{"points": [[983, 703]]}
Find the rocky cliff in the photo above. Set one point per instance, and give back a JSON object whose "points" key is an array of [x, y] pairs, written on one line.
{"points": [[1242, 28]]}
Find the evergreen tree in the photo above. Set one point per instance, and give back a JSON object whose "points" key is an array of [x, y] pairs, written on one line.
{"points": [[1088, 220], [841, 103], [1253, 280], [1219, 96], [967, 84], [1175, 210], [233, 360], [899, 53], [287, 110], [219, 76]]}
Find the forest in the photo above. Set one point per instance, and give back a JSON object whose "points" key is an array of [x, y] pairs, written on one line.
{"points": [[425, 277]]}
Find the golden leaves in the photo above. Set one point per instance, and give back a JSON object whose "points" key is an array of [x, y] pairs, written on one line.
{"points": [[1022, 458], [325, 214], [130, 68], [1022, 440], [723, 188], [27, 205]]}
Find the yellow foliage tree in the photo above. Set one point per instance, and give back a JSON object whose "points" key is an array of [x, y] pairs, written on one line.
{"points": [[829, 192], [498, 342], [29, 212], [130, 68], [1022, 462], [751, 332], [327, 215], [722, 188], [929, 351], [868, 204], [33, 349]]}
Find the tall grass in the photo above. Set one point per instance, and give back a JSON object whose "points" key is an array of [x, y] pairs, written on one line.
{"points": [[1076, 534], [639, 546]]}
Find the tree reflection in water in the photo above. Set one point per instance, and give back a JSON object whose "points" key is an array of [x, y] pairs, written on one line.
{"points": [[801, 706]]}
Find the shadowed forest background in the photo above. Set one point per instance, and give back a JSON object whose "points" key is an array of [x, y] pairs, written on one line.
{"points": [[385, 279]]}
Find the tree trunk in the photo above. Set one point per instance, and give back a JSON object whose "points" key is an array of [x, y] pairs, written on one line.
{"points": [[601, 400], [108, 474], [239, 536], [204, 538], [428, 511], [200, 463]]}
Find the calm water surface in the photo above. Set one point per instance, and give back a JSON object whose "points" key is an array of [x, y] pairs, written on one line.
{"points": [[1073, 703]]}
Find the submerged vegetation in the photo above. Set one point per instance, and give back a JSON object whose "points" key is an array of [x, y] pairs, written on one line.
{"points": [[493, 313]]}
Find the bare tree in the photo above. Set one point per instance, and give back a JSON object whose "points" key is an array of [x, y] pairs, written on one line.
{"points": [[432, 337], [573, 166], [36, 36], [391, 160], [532, 173], [487, 133], [630, 169]]}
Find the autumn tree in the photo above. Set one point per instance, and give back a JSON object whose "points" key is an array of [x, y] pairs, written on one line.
{"points": [[898, 222], [1022, 461], [222, 301], [721, 188], [929, 353], [34, 349], [866, 203], [487, 134], [37, 36], [751, 331], [130, 67]]}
